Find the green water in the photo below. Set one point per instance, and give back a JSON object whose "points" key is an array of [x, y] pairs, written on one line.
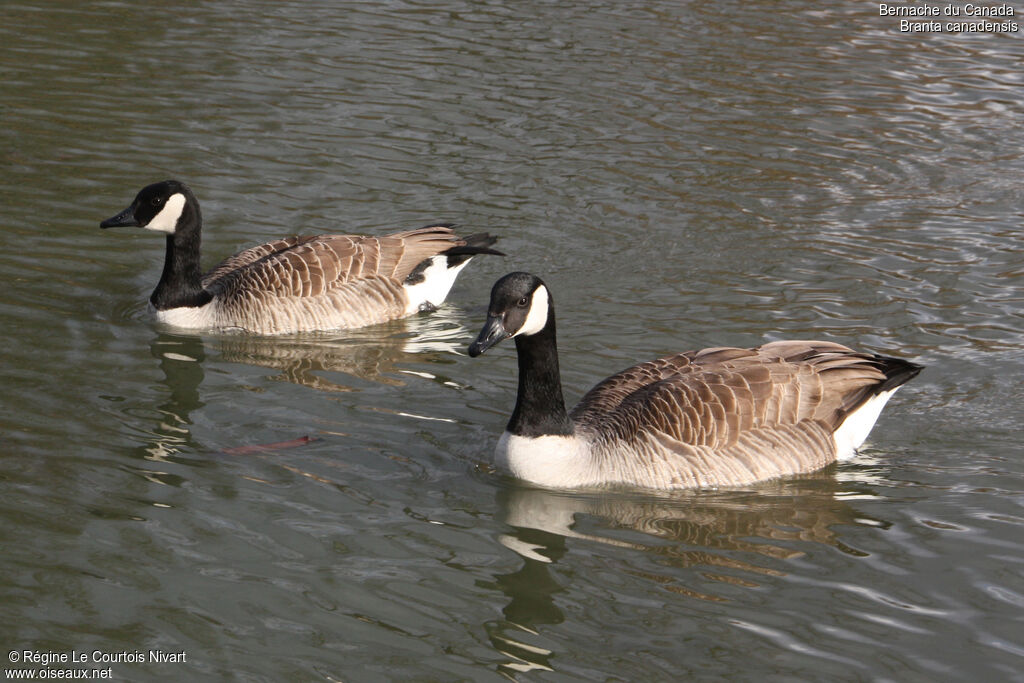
{"points": [[682, 175]]}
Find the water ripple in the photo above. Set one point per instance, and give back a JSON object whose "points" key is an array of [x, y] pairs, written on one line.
{"points": [[683, 175]]}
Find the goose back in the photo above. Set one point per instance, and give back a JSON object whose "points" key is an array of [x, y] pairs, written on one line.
{"points": [[311, 266], [726, 416], [323, 281]]}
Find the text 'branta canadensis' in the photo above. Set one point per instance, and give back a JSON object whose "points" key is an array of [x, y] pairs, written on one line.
{"points": [[716, 417], [295, 284]]}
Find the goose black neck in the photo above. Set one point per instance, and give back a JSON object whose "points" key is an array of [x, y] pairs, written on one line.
{"points": [[181, 281], [540, 409]]}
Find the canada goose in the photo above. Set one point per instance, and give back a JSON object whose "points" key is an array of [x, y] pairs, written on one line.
{"points": [[716, 417], [295, 284]]}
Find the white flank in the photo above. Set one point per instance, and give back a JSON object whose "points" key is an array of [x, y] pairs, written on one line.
{"points": [[438, 279], [167, 219], [537, 318], [855, 428], [555, 461], [187, 317]]}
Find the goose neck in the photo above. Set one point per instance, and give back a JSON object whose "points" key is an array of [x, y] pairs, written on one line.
{"points": [[540, 408], [181, 281]]}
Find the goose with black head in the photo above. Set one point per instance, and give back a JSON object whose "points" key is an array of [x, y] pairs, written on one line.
{"points": [[716, 417], [295, 284]]}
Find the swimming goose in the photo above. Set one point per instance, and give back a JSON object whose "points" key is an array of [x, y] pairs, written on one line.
{"points": [[295, 284], [716, 417]]}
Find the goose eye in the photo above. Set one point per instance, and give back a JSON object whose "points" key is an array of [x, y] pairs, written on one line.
{"points": [[522, 302], [155, 201]]}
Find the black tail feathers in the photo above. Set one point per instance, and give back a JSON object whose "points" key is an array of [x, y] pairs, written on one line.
{"points": [[897, 371], [480, 243]]}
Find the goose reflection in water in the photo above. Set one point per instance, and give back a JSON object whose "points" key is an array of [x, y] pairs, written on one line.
{"points": [[181, 361], [371, 354], [736, 539], [374, 354]]}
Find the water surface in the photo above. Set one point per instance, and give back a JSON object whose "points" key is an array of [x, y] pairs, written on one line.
{"points": [[682, 175]]}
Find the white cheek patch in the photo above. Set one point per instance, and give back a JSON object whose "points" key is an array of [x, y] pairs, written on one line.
{"points": [[167, 219], [537, 318]]}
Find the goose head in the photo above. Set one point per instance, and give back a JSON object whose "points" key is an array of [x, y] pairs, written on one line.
{"points": [[520, 306], [158, 207]]}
